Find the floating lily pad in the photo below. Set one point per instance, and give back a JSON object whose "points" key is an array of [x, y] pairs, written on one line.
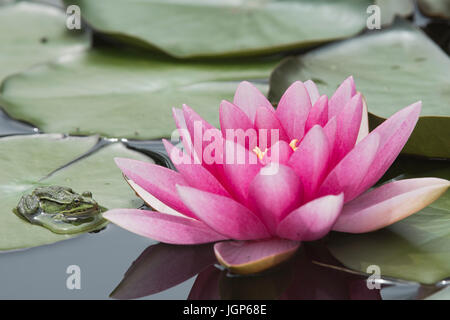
{"points": [[393, 68], [123, 93], [32, 33], [413, 249], [34, 160], [192, 28]]}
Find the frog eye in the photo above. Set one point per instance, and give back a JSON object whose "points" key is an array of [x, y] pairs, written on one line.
{"points": [[87, 194], [76, 200]]}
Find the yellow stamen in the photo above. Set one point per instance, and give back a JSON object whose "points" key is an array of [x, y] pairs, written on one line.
{"points": [[260, 154], [293, 144]]}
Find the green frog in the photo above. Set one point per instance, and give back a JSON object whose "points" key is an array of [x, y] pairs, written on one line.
{"points": [[60, 209]]}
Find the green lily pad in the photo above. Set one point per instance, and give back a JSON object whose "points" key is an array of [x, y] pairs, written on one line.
{"points": [[416, 248], [192, 28], [32, 33], [435, 8], [29, 161], [392, 68], [123, 93]]}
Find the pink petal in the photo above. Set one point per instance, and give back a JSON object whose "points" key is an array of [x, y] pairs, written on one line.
{"points": [[348, 125], [341, 97], [156, 180], [246, 257], [151, 201], [313, 220], [249, 99], [330, 131], [274, 196], [269, 128], [240, 167], [312, 91], [394, 133], [194, 174], [183, 131], [389, 203], [223, 214], [280, 153], [163, 266], [233, 118], [310, 160], [318, 114], [163, 227], [348, 174], [293, 110], [364, 128], [203, 135]]}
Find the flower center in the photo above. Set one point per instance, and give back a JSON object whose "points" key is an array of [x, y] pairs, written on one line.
{"points": [[293, 144], [260, 154]]}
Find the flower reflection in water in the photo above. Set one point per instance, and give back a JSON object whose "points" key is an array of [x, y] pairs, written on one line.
{"points": [[163, 266]]}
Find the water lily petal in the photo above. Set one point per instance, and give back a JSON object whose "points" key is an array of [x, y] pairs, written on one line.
{"points": [[313, 220], [232, 118], [183, 131], [162, 266], [312, 91], [394, 133], [151, 201], [203, 135], [249, 99], [275, 195], [280, 153], [293, 110], [341, 97], [310, 160], [269, 128], [364, 128], [194, 174], [157, 180], [348, 126], [318, 114], [239, 169], [224, 214], [163, 227], [247, 257], [330, 131], [389, 203], [348, 174]]}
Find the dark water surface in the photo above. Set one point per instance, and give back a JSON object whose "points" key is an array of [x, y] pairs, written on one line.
{"points": [[160, 271]]}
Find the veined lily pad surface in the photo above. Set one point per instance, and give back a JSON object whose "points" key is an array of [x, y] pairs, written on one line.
{"points": [[123, 93], [413, 249], [33, 160], [32, 33], [393, 68], [193, 28]]}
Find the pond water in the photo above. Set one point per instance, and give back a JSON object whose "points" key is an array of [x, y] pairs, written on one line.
{"points": [[105, 257]]}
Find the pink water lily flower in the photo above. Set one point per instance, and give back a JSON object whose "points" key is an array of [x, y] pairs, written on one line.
{"points": [[324, 161]]}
